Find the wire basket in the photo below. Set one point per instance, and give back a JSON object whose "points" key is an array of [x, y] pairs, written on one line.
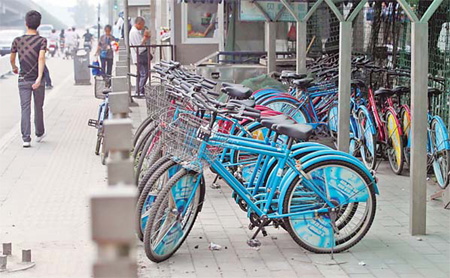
{"points": [[183, 139], [157, 100], [99, 87]]}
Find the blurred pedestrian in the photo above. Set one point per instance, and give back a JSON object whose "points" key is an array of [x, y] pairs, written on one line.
{"points": [[31, 48], [105, 51], [62, 41], [88, 38], [139, 36]]}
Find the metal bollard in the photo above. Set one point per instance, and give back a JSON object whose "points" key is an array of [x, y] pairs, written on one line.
{"points": [[7, 249]]}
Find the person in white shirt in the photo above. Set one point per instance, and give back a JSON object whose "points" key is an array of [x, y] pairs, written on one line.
{"points": [[137, 37]]}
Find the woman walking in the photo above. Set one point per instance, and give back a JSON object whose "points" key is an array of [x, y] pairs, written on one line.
{"points": [[105, 51]]}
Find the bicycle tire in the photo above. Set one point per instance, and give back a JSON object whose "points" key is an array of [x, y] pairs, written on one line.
{"points": [[143, 195], [372, 138], [150, 155], [300, 116], [359, 233], [394, 143], [157, 210], [441, 163], [140, 145], [98, 144], [150, 172], [141, 129]]}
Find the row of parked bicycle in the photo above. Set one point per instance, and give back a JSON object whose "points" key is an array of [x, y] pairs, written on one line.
{"points": [[380, 119], [325, 199]]}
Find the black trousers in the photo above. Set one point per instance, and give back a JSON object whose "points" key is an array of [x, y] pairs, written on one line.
{"points": [[107, 65]]}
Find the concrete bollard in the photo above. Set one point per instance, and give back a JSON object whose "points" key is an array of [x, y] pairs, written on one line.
{"points": [[112, 208], [119, 84], [26, 256], [3, 262], [119, 105], [121, 71], [7, 249]]}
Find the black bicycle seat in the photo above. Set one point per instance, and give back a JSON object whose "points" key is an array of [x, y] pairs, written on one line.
{"points": [[383, 92], [246, 102], [358, 83], [268, 122], [433, 92], [106, 91], [303, 83], [296, 131], [400, 90], [228, 84], [239, 92], [293, 75]]}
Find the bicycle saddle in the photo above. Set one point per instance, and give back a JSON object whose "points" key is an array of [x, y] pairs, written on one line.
{"points": [[383, 92], [239, 92], [433, 92], [292, 75], [400, 90], [303, 83], [106, 91], [228, 84], [268, 122], [246, 102], [358, 83], [296, 131]]}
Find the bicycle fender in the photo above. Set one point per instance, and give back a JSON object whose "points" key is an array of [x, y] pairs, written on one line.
{"points": [[400, 131], [444, 132], [369, 117]]}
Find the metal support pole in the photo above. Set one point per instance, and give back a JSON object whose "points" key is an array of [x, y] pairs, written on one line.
{"points": [[127, 46], [301, 47], [419, 106], [270, 45], [345, 70]]}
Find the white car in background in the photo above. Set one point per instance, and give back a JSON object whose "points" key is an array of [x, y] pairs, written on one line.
{"points": [[6, 39], [45, 30]]}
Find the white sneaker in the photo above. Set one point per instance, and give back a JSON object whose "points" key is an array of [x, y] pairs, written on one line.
{"points": [[26, 144], [39, 138]]}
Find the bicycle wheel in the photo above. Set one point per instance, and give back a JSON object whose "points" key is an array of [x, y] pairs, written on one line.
{"points": [[439, 138], [368, 140], [333, 121], [394, 143], [151, 152], [349, 189], [150, 192], [288, 108], [405, 121], [141, 143], [173, 215], [141, 129]]}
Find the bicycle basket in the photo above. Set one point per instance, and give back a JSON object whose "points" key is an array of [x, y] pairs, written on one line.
{"points": [[183, 138], [99, 87], [157, 100]]}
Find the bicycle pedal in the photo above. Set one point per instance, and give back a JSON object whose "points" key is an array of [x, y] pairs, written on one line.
{"points": [[264, 233], [93, 123], [254, 243], [215, 185], [251, 226]]}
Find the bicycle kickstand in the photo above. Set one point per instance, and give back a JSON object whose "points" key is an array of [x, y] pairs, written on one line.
{"points": [[253, 242]]}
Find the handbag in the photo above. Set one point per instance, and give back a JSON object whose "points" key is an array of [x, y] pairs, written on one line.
{"points": [[96, 71], [104, 54], [143, 57]]}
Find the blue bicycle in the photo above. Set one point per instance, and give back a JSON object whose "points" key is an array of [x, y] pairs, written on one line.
{"points": [[324, 198]]}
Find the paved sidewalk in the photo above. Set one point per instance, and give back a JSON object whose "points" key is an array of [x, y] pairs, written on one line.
{"points": [[44, 189], [387, 251]]}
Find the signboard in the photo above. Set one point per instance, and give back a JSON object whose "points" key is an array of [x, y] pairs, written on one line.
{"points": [[248, 11]]}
